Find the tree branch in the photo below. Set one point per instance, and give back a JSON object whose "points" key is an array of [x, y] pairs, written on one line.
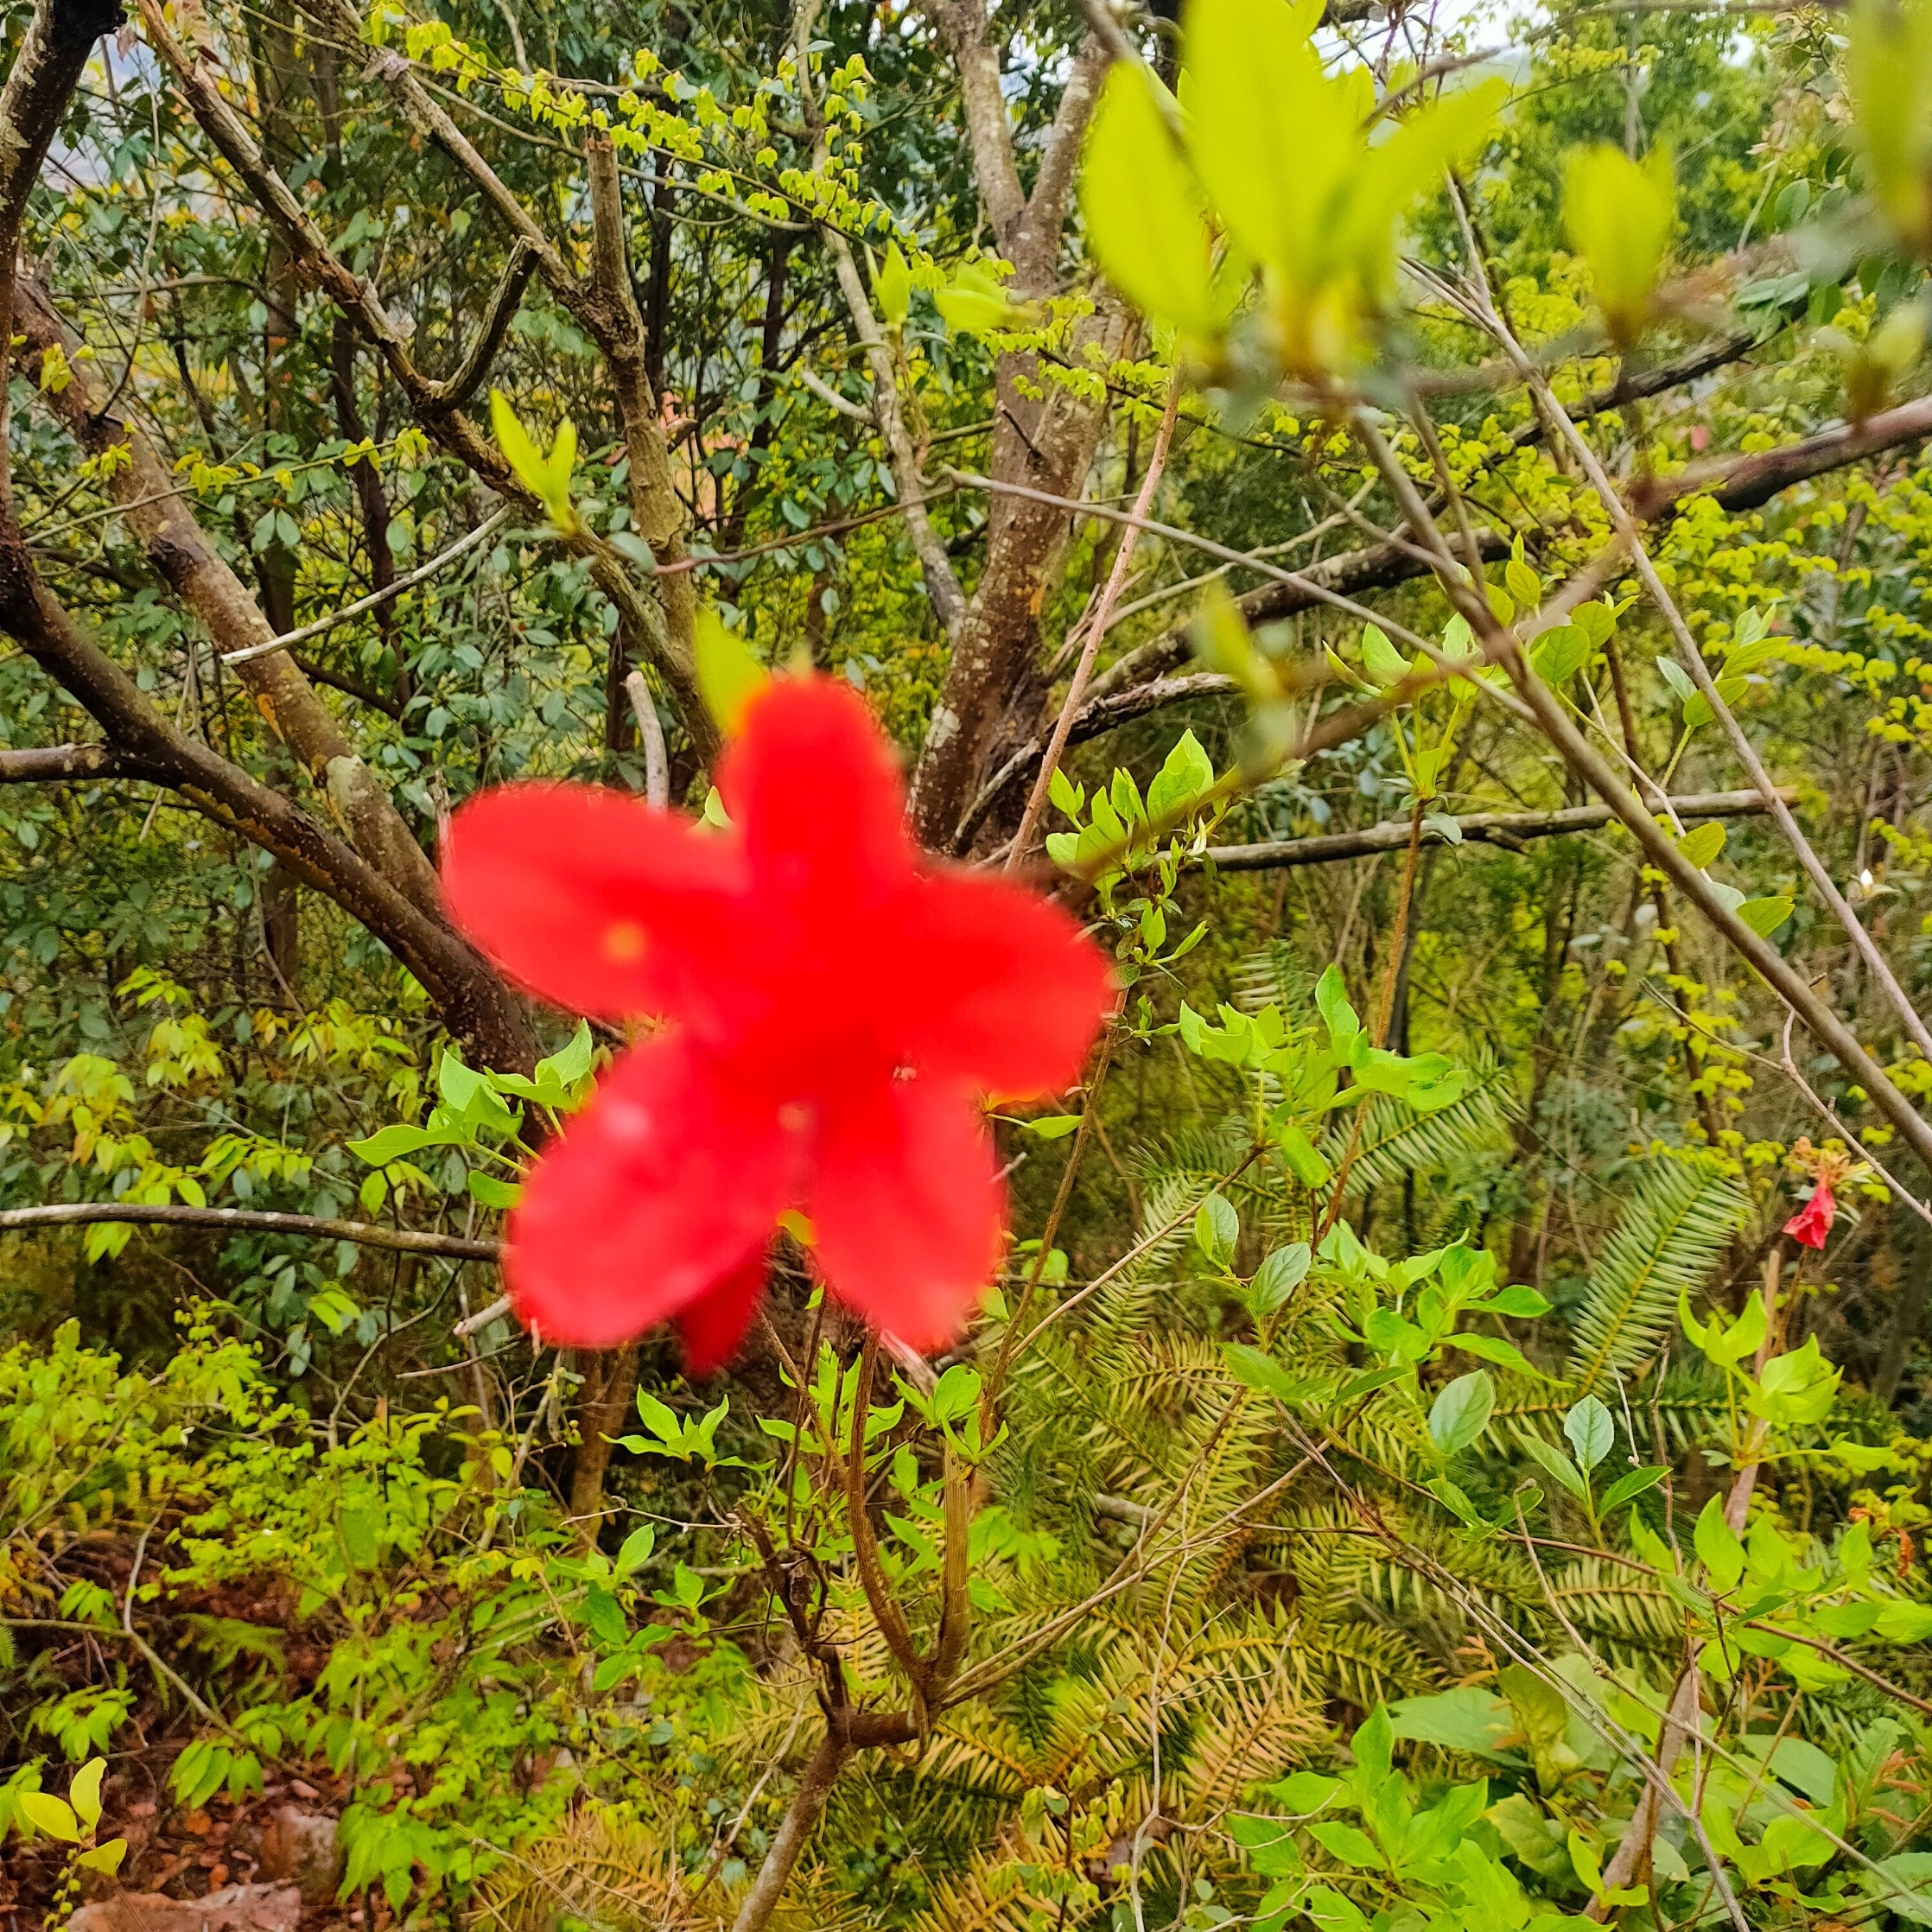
{"points": [[441, 419], [962, 25], [66, 765], [1752, 481], [183, 555], [801, 1814], [457, 388], [363, 1234], [1491, 828], [55, 49], [322, 626]]}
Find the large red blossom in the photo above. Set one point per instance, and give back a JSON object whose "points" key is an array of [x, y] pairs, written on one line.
{"points": [[835, 1006], [1812, 1223]]}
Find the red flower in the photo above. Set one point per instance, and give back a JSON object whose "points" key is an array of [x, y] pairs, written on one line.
{"points": [[836, 1005], [1812, 1223]]}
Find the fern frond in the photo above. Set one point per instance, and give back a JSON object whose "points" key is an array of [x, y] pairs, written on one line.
{"points": [[1395, 1138], [1679, 1215]]}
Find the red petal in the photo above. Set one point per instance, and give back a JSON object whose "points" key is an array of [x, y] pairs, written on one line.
{"points": [[813, 785], [594, 900], [907, 1207], [1811, 1225], [1000, 987], [665, 1184], [714, 1325]]}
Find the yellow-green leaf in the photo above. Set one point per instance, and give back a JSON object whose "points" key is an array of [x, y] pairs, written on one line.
{"points": [[1764, 916], [894, 287], [1384, 664], [84, 1794], [729, 675], [1143, 210], [546, 477], [1700, 847], [974, 301], [50, 1814], [1888, 66], [1621, 215]]}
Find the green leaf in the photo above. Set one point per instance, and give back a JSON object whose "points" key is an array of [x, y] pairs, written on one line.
{"points": [[1888, 66], [604, 1619], [1143, 208], [1185, 775], [1053, 1127], [393, 1143], [1468, 1719], [84, 1793], [1596, 621], [636, 1549], [1632, 1484], [660, 1418], [1493, 1348], [1561, 653], [1718, 1548], [1678, 678], [1557, 1464], [571, 1063], [1262, 1373], [1517, 1300], [50, 1814], [1592, 1432], [1385, 666], [1346, 1842], [1216, 1228], [1331, 1002], [1904, 1883], [1903, 1623], [1461, 1411], [491, 1192], [546, 477], [1304, 1793], [956, 1394], [1277, 1277], [729, 675], [1699, 847], [1764, 916], [974, 301], [894, 287], [1304, 1160], [103, 1857], [1621, 215]]}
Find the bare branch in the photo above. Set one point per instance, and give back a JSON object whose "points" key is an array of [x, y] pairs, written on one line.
{"points": [[363, 1234], [65, 765], [422, 574], [457, 388], [962, 25], [1510, 828]]}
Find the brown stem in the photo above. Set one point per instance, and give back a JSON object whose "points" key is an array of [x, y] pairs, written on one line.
{"points": [[808, 1801], [872, 1576], [1097, 630]]}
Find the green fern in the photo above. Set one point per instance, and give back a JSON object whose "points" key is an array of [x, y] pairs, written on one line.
{"points": [[1680, 1216], [1396, 1139]]}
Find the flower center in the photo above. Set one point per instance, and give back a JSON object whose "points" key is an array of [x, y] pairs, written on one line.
{"points": [[623, 942]]}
